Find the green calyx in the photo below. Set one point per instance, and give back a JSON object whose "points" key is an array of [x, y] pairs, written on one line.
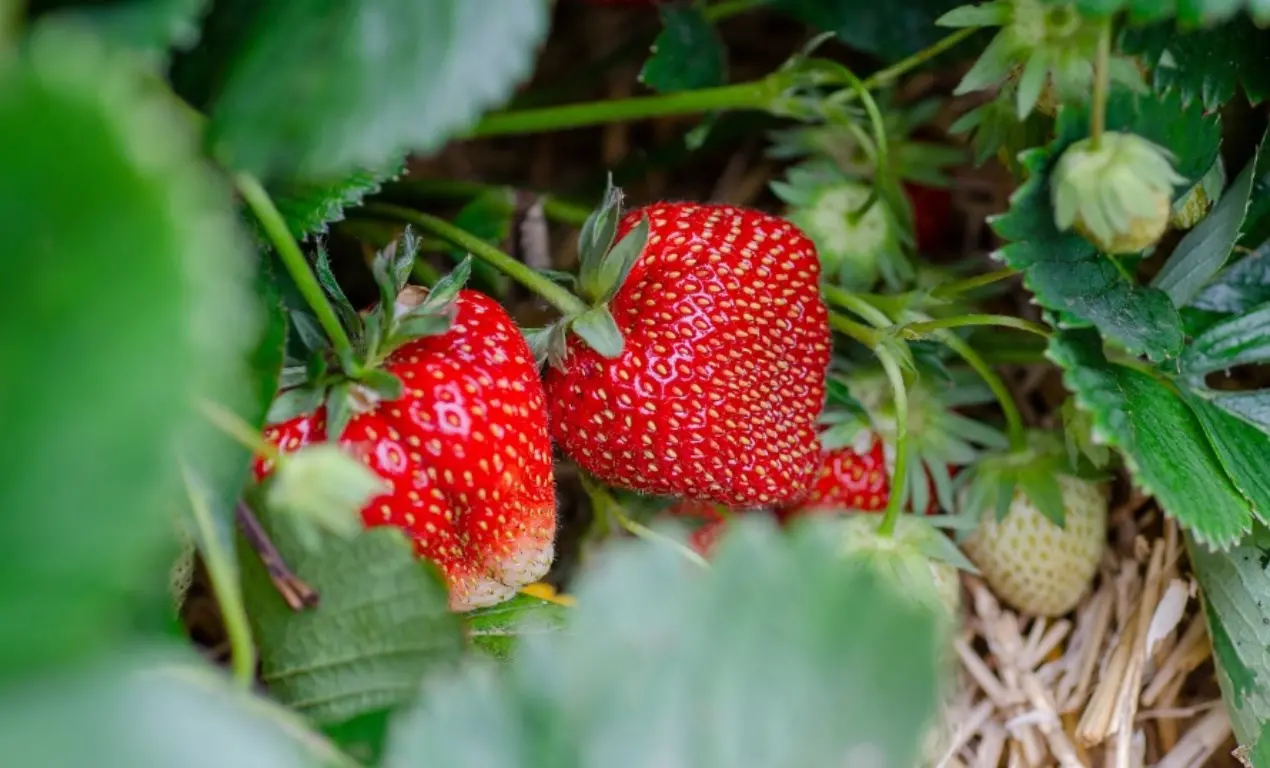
{"points": [[1040, 45], [855, 232], [355, 383], [1116, 192]]}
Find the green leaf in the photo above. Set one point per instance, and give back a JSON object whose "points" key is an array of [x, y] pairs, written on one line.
{"points": [[1063, 270], [318, 91], [599, 330], [149, 27], [1237, 341], [116, 232], [1188, 13], [152, 711], [1205, 249], [310, 206], [498, 629], [381, 625], [688, 54], [602, 282], [889, 31], [1240, 287], [1164, 445], [1205, 65], [1243, 450], [1234, 585], [706, 680]]}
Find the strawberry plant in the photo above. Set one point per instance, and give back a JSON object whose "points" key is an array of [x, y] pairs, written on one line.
{"points": [[627, 382]]}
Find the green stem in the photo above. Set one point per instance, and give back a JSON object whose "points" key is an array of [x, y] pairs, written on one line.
{"points": [[728, 8], [1102, 80], [925, 327], [752, 95], [1013, 420], [958, 287], [237, 428], [604, 504], [225, 586], [275, 227], [558, 297], [858, 331], [554, 208], [885, 76], [854, 304], [899, 477]]}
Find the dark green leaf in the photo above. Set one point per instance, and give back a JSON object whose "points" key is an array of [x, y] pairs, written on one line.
{"points": [[128, 301], [326, 277], [1241, 340], [889, 31], [688, 54], [1188, 13], [309, 330], [1242, 449], [1205, 65], [381, 625], [310, 206], [1240, 287], [318, 91], [293, 402], [1064, 270], [706, 680], [415, 326], [1256, 226], [599, 330], [1204, 250], [489, 217], [149, 27], [499, 629], [1235, 585], [156, 711], [1165, 446]]}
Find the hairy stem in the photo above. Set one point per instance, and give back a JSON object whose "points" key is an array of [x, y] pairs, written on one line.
{"points": [[1013, 420], [605, 505], [1102, 80], [289, 251], [557, 296], [899, 477], [925, 327]]}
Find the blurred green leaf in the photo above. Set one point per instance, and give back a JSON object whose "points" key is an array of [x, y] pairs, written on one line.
{"points": [[309, 207], [1205, 65], [381, 625], [499, 629], [1064, 270], [128, 300], [318, 90], [1235, 584], [146, 712], [1165, 446], [688, 54], [149, 27], [889, 31], [783, 653]]}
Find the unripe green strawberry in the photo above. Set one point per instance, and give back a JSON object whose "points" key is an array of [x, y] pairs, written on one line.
{"points": [[1117, 194], [1031, 563], [905, 557]]}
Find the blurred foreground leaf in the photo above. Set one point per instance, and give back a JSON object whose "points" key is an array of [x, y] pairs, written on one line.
{"points": [[781, 654], [149, 27], [127, 298], [499, 629]]}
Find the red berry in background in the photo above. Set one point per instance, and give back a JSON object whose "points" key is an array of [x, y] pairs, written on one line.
{"points": [[932, 216], [710, 523], [852, 478], [721, 378], [704, 538], [466, 451]]}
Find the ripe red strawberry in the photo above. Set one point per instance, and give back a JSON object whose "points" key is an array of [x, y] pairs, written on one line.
{"points": [[932, 212], [710, 524], [716, 388], [853, 477], [465, 449]]}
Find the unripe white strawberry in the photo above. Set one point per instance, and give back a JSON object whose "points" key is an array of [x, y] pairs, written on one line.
{"points": [[1031, 563], [904, 557]]}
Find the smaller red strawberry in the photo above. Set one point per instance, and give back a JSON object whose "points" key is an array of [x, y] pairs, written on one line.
{"points": [[932, 216], [711, 523], [854, 477]]}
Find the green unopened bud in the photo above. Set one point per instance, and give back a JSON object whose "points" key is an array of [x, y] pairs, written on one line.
{"points": [[1117, 195]]}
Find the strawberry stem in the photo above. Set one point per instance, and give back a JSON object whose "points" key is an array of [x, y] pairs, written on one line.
{"points": [[858, 331], [1102, 79], [957, 287], [603, 503], [554, 294], [925, 327], [288, 250], [856, 305], [899, 476], [1013, 420]]}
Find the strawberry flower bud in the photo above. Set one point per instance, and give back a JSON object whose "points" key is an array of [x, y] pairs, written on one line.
{"points": [[1118, 194]]}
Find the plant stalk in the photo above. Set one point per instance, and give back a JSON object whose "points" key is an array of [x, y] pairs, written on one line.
{"points": [[925, 327], [554, 208], [899, 476], [1013, 420], [289, 251], [1102, 81], [856, 305], [958, 287], [557, 296]]}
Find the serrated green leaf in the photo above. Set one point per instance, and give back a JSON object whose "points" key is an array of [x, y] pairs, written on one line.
{"points": [[499, 629], [1205, 65], [317, 91], [1234, 585], [1243, 450], [889, 31], [148, 27], [1205, 249], [1240, 287], [1164, 445], [116, 232], [153, 710], [803, 682], [381, 625], [1063, 270], [309, 207], [688, 54]]}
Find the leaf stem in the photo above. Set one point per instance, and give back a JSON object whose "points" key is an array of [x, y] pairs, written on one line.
{"points": [[899, 476], [922, 328], [1010, 409], [237, 427], [885, 76], [856, 305], [858, 331], [275, 227], [225, 586], [958, 287], [557, 296], [603, 501], [1102, 80]]}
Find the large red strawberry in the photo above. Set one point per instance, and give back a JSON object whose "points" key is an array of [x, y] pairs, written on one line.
{"points": [[714, 391], [464, 447]]}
